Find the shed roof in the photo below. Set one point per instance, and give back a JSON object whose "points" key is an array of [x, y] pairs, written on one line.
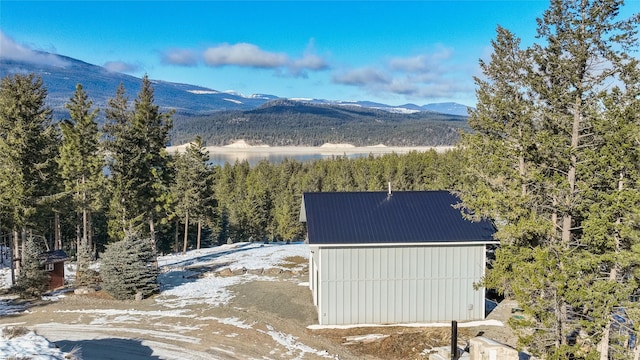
{"points": [[377, 217], [54, 256]]}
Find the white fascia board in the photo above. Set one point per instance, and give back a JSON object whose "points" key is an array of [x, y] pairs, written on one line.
{"points": [[444, 243]]}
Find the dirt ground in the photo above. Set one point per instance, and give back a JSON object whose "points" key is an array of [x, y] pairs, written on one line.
{"points": [[264, 320]]}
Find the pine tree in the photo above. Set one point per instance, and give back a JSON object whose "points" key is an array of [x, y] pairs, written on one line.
{"points": [[117, 142], [28, 144], [193, 188], [258, 203], [138, 161], [33, 278], [81, 163], [128, 269], [546, 165]]}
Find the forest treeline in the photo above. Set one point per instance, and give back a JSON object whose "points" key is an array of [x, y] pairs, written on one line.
{"points": [[78, 186], [295, 123]]}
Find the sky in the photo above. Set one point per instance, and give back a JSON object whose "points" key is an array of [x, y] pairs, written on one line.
{"points": [[392, 52]]}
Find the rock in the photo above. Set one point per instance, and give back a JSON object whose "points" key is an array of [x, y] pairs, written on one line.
{"points": [[84, 290], [225, 272], [240, 271], [272, 271]]}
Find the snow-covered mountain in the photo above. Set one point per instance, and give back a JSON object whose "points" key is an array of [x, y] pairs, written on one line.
{"points": [[450, 108], [61, 76]]}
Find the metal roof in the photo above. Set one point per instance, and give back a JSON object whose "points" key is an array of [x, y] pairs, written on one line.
{"points": [[52, 257], [380, 218]]}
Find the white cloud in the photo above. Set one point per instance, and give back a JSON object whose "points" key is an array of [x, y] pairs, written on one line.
{"points": [[120, 66], [182, 57], [249, 55], [367, 76], [11, 50], [244, 54], [309, 61], [422, 63], [431, 75]]}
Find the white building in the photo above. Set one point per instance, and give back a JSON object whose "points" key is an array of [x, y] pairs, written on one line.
{"points": [[404, 257]]}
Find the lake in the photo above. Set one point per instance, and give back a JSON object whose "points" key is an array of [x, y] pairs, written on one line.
{"points": [[219, 155]]}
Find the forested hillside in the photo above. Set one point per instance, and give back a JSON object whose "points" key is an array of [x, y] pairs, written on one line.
{"points": [[54, 187], [294, 123]]}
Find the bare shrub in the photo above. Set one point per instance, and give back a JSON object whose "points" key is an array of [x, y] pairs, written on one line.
{"points": [[14, 331]]}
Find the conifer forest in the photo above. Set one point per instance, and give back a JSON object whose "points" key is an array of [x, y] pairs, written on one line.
{"points": [[551, 155]]}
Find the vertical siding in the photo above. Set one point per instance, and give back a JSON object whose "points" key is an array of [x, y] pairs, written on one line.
{"points": [[363, 285]]}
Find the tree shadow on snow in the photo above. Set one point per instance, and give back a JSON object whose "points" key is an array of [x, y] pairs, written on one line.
{"points": [[190, 262], [108, 349], [191, 269]]}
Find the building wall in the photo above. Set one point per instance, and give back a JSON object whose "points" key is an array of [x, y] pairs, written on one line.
{"points": [[56, 278], [376, 285]]}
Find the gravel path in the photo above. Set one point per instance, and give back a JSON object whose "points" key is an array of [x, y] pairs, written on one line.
{"points": [[265, 319]]}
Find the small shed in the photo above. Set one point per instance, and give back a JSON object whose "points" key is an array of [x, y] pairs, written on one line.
{"points": [[401, 257], [53, 263]]}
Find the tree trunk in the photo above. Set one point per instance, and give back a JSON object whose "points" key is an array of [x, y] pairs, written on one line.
{"points": [[23, 240], [15, 260], [152, 233], [186, 233], [199, 233], [558, 324], [57, 231], [603, 347], [177, 236], [78, 237], [85, 240], [90, 244], [85, 230], [12, 259]]}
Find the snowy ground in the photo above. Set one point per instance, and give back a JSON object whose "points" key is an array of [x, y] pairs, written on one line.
{"points": [[197, 315], [181, 286]]}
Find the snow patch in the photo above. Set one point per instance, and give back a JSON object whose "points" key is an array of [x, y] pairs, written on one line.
{"points": [[293, 346], [233, 321], [233, 101], [239, 144], [9, 308], [330, 145], [203, 92], [31, 346]]}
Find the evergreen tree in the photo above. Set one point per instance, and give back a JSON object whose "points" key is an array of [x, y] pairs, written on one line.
{"points": [[151, 129], [28, 144], [138, 161], [127, 268], [258, 204], [118, 138], [542, 165], [193, 188], [286, 213], [81, 164], [33, 277]]}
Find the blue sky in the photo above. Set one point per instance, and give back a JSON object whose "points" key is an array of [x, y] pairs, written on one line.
{"points": [[392, 52]]}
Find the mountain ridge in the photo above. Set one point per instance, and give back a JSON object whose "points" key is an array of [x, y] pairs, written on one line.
{"points": [[101, 84]]}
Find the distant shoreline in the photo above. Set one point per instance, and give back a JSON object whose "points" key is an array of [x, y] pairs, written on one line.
{"points": [[329, 149]]}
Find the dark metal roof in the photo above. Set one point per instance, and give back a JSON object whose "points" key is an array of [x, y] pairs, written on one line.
{"points": [[52, 257], [376, 217]]}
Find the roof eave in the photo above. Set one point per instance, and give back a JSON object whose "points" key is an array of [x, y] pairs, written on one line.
{"points": [[414, 244]]}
